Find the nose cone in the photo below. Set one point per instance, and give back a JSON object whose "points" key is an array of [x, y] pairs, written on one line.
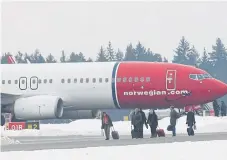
{"points": [[221, 88]]}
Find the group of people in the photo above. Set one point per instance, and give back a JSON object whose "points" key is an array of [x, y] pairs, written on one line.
{"points": [[190, 121], [138, 120], [219, 109]]}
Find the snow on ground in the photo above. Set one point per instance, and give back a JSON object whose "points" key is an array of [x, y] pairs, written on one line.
{"points": [[6, 140], [209, 150], [92, 127]]}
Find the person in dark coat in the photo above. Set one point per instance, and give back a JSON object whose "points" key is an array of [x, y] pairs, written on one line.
{"points": [[152, 120], [106, 124], [137, 122], [144, 121], [173, 119], [223, 108], [190, 120], [216, 108]]}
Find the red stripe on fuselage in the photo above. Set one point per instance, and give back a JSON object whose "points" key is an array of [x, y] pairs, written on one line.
{"points": [[152, 88]]}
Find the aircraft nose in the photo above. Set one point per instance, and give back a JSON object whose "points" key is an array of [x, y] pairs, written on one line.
{"points": [[221, 88]]}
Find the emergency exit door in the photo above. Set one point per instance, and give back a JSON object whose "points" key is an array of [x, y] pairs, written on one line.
{"points": [[171, 80]]}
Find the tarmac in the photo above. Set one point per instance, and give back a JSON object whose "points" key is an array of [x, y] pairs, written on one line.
{"points": [[69, 142]]}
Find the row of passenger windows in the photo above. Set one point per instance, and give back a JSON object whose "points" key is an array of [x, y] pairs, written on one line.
{"points": [[81, 80], [199, 76]]}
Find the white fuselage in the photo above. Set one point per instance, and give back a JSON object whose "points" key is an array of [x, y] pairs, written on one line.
{"points": [[24, 80]]}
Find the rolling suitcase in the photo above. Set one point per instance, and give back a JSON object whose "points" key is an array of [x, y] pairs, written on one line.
{"points": [[133, 133], [160, 132], [190, 131], [114, 134]]}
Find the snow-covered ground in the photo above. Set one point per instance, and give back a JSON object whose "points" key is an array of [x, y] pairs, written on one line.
{"points": [[92, 127], [172, 151], [7, 140]]}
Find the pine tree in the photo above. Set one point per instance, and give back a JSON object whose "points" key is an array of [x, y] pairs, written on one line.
{"points": [[119, 55], [63, 58], [89, 60], [140, 52], [50, 59], [81, 57], [110, 52], [102, 56], [130, 53], [181, 52], [218, 58], [192, 56], [165, 59], [205, 62], [157, 57], [219, 52]]}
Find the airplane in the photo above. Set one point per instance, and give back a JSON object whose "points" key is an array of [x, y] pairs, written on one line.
{"points": [[80, 90]]}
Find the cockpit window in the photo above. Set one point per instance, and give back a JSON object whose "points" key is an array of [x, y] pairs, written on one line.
{"points": [[193, 76], [200, 76], [206, 75]]}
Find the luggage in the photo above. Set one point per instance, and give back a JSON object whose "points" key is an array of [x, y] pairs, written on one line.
{"points": [[114, 134], [190, 131], [133, 133], [160, 132], [169, 128]]}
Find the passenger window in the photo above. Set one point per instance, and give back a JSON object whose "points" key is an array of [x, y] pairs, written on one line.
{"points": [[119, 79], [40, 81], [50, 80], [45, 81], [94, 80], [87, 80], [16, 81], [100, 80], [125, 79], [136, 79], [130, 79], [81, 80], [69, 80], [9, 81], [148, 79], [193, 76], [3, 81], [200, 76], [75, 80], [62, 80], [106, 80], [142, 79]]}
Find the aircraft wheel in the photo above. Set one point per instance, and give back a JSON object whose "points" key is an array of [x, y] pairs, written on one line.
{"points": [[2, 120]]}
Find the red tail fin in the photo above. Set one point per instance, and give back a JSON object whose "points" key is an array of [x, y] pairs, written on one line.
{"points": [[11, 60]]}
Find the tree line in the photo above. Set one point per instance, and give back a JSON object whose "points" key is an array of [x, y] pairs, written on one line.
{"points": [[214, 61]]}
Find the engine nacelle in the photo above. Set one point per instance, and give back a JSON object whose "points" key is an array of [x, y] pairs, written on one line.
{"points": [[38, 107], [80, 114]]}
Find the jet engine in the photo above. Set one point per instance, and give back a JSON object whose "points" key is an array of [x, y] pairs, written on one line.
{"points": [[80, 114], [38, 107]]}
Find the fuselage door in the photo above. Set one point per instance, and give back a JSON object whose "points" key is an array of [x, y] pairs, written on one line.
{"points": [[23, 83], [171, 80], [34, 83]]}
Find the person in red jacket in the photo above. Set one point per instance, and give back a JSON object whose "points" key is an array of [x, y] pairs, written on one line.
{"points": [[106, 124]]}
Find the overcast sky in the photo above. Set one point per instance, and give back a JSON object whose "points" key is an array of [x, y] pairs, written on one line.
{"points": [[85, 26]]}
